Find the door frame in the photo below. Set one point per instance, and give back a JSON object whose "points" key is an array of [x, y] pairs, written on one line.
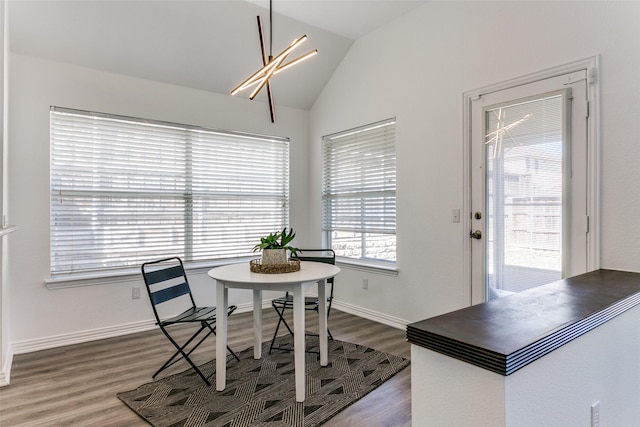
{"points": [[591, 65]]}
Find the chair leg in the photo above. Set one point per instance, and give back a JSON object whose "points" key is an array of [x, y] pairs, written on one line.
{"points": [[284, 322], [232, 308], [275, 334], [280, 320], [171, 360], [213, 331], [328, 310], [184, 355]]}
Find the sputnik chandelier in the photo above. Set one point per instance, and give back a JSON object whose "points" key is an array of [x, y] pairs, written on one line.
{"points": [[271, 65]]}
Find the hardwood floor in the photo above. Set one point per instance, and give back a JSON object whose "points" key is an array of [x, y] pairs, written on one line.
{"points": [[77, 385]]}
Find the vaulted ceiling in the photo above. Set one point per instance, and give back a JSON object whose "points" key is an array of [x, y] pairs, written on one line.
{"points": [[210, 45]]}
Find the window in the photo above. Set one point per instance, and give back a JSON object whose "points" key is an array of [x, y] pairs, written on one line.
{"points": [[125, 190], [359, 192]]}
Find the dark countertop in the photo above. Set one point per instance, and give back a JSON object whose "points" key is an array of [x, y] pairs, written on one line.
{"points": [[506, 334]]}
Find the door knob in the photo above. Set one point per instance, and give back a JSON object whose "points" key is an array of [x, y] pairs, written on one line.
{"points": [[476, 234]]}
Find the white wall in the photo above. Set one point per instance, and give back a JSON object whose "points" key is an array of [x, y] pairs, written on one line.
{"points": [[554, 391], [417, 69], [42, 317]]}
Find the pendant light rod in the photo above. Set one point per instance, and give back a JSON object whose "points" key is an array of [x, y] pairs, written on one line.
{"points": [[271, 65], [265, 61]]}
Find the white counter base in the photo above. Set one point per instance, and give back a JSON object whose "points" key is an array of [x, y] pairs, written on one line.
{"points": [[556, 390]]}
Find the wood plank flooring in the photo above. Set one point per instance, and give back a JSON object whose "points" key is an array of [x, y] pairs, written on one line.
{"points": [[77, 385]]}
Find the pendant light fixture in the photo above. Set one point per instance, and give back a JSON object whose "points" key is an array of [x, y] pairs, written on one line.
{"points": [[271, 65]]}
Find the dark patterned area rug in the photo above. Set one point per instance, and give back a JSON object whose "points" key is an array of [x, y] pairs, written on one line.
{"points": [[262, 392]]}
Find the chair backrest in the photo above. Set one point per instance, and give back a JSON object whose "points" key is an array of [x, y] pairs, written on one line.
{"points": [[317, 255], [165, 280]]}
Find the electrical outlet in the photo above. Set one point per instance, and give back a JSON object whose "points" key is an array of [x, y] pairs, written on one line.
{"points": [[595, 414], [135, 292], [365, 284]]}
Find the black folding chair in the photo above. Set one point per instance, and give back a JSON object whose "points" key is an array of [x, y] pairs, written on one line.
{"points": [[166, 281], [310, 303]]}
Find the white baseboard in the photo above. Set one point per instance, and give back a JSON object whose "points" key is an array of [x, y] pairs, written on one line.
{"points": [[38, 344], [80, 337], [115, 331], [375, 316], [5, 373], [248, 306]]}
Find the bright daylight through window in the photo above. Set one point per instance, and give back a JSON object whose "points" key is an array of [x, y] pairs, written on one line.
{"points": [[359, 192], [125, 191]]}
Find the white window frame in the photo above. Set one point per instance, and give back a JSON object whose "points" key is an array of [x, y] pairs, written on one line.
{"points": [[354, 186], [121, 169]]}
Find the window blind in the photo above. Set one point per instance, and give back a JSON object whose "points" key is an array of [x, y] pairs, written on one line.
{"points": [[126, 190], [359, 189]]}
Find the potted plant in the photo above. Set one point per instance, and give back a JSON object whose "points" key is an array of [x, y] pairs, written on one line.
{"points": [[274, 247]]}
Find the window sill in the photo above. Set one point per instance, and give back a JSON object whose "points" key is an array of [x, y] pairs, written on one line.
{"points": [[389, 269], [133, 274], [128, 275]]}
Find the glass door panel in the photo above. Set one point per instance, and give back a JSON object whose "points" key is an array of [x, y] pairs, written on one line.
{"points": [[525, 186]]}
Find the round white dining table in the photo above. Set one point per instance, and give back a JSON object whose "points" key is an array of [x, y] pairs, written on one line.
{"points": [[239, 276]]}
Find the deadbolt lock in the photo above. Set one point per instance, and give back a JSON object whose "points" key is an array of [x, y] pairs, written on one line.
{"points": [[478, 215]]}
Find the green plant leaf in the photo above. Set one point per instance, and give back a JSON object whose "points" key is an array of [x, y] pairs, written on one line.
{"points": [[277, 240]]}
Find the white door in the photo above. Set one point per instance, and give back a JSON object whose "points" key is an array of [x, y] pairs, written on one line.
{"points": [[528, 177]]}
